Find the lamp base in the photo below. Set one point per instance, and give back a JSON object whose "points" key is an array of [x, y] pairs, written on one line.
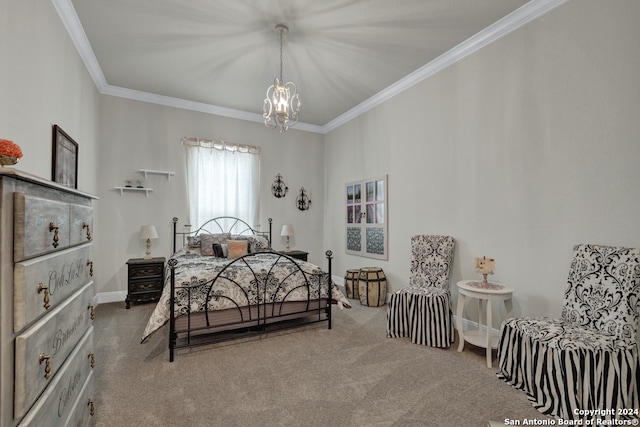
{"points": [[148, 252]]}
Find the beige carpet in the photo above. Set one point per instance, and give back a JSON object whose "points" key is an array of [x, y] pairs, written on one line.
{"points": [[352, 375]]}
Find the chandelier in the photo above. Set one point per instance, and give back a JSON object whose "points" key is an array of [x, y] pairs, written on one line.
{"points": [[282, 104]]}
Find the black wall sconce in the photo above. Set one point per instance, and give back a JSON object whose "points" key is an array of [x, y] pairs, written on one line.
{"points": [[302, 201], [279, 187]]}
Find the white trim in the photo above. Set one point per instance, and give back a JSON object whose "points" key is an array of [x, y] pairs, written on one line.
{"points": [[527, 13], [107, 297], [502, 27]]}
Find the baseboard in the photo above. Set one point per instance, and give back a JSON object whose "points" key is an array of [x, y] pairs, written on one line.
{"points": [[107, 297]]}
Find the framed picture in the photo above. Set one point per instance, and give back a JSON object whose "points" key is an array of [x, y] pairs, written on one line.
{"points": [[65, 159], [367, 206]]}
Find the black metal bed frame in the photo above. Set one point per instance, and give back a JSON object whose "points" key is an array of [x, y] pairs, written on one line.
{"points": [[253, 319]]}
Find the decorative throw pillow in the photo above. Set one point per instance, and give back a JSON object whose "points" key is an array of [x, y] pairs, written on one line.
{"points": [[217, 250], [237, 248], [207, 241], [258, 244]]}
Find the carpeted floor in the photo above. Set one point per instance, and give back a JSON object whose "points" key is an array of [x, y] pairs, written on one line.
{"points": [[352, 375]]}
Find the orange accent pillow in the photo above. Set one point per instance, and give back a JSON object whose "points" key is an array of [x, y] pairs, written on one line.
{"points": [[237, 248]]}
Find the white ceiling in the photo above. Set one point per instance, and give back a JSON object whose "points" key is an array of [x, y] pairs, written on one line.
{"points": [[220, 56]]}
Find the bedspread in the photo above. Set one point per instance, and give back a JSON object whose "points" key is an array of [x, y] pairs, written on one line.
{"points": [[251, 280]]}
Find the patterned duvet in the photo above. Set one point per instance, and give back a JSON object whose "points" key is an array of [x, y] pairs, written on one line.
{"points": [[279, 279]]}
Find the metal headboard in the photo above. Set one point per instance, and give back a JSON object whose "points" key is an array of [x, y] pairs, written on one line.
{"points": [[221, 224]]}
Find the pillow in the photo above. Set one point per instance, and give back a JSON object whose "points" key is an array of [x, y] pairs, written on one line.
{"points": [[237, 248], [193, 242], [217, 250], [207, 241], [256, 243]]}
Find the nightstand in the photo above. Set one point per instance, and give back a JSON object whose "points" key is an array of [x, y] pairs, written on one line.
{"points": [[301, 255], [146, 280]]}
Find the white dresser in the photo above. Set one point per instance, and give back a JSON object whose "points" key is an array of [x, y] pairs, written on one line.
{"points": [[46, 303]]}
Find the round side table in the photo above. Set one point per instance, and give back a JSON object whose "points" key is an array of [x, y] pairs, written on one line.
{"points": [[485, 293]]}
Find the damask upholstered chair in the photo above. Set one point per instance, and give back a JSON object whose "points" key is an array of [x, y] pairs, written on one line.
{"points": [[587, 359], [422, 311]]}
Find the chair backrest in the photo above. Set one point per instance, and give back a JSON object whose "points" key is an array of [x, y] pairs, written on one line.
{"points": [[431, 260], [603, 290]]}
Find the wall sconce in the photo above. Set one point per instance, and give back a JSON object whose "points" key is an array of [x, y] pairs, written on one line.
{"points": [[279, 187], [148, 232], [302, 201], [287, 231]]}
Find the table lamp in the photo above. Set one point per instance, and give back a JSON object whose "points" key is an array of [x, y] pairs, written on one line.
{"points": [[485, 266], [148, 232], [287, 231]]}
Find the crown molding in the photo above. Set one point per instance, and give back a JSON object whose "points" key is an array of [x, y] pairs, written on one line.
{"points": [[521, 16], [516, 19]]}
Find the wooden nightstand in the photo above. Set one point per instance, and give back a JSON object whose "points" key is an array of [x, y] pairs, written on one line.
{"points": [[301, 255], [146, 279]]}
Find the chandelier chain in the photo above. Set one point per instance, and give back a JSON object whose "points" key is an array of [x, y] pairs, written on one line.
{"points": [[281, 31]]}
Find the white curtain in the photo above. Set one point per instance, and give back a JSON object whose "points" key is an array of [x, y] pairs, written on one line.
{"points": [[223, 179]]}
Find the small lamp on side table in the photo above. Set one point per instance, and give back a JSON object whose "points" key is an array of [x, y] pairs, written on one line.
{"points": [[287, 231], [148, 232]]}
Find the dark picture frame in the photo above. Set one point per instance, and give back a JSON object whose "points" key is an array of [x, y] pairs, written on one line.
{"points": [[64, 167]]}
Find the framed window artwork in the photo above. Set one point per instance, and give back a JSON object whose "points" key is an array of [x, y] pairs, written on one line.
{"points": [[366, 218], [64, 169]]}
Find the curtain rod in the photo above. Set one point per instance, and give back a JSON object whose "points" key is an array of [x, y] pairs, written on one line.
{"points": [[220, 145]]}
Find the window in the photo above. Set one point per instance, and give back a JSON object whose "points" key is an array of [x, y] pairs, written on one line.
{"points": [[223, 180], [366, 209]]}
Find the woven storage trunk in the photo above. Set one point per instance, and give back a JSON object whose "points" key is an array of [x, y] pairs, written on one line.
{"points": [[372, 286], [351, 283]]}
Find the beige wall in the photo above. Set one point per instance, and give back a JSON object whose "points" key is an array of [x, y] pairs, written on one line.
{"points": [[137, 135], [44, 82], [519, 151]]}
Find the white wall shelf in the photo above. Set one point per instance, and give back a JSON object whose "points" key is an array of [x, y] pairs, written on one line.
{"points": [[123, 189], [148, 171]]}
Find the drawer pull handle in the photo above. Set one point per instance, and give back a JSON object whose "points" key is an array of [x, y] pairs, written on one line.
{"points": [[90, 264], [85, 225], [44, 288], [54, 228], [47, 367], [93, 312], [91, 408], [92, 358]]}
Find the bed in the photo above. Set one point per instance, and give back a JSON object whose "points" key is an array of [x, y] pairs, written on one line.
{"points": [[218, 289]]}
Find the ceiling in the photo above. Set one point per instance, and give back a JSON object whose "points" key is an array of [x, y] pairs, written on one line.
{"points": [[220, 56]]}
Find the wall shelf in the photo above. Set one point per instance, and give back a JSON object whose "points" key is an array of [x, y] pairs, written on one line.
{"points": [[123, 189], [153, 172]]}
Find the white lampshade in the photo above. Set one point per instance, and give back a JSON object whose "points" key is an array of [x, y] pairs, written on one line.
{"points": [[148, 232], [287, 230]]}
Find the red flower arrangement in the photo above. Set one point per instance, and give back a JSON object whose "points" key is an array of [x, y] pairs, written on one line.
{"points": [[10, 149]]}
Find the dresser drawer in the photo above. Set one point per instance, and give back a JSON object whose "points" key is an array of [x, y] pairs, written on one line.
{"points": [[81, 224], [58, 401], [42, 283], [82, 411], [40, 226], [43, 348]]}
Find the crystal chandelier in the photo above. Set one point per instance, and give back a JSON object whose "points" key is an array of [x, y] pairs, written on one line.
{"points": [[282, 104]]}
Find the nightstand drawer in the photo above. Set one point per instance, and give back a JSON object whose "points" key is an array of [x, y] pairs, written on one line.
{"points": [[139, 286], [143, 271]]}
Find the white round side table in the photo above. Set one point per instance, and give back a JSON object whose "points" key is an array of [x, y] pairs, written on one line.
{"points": [[485, 293]]}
